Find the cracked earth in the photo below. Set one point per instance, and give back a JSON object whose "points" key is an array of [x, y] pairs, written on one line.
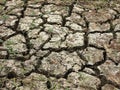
{"points": [[59, 45]]}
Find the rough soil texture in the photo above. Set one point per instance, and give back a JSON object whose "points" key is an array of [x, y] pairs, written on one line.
{"points": [[59, 45]]}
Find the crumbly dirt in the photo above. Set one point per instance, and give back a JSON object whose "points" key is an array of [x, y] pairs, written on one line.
{"points": [[59, 45]]}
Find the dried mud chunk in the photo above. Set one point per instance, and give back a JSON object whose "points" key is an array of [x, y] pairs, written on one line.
{"points": [[92, 55], [109, 87], [54, 9], [32, 12], [100, 40], [116, 21], [41, 38], [73, 40], [25, 23], [117, 27], [14, 2], [34, 33], [78, 9], [70, 59], [61, 2], [14, 7], [74, 26], [58, 34], [35, 2], [113, 50], [8, 20], [75, 18], [15, 10], [9, 66], [116, 24], [99, 27], [28, 23], [41, 53], [82, 81], [116, 5], [53, 64], [58, 63], [5, 32], [34, 82], [93, 4], [111, 71], [16, 44], [93, 16], [54, 19], [27, 66]]}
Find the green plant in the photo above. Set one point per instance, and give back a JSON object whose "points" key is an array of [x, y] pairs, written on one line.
{"points": [[82, 77], [32, 25], [41, 78], [11, 51], [67, 88], [10, 43], [10, 48], [5, 17], [50, 30], [54, 87]]}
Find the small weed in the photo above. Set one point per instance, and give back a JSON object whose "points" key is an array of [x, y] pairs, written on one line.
{"points": [[11, 51], [10, 43], [41, 79], [15, 82], [82, 77], [67, 88], [5, 17], [50, 30], [33, 13], [32, 25], [1, 7], [54, 87], [10, 48]]}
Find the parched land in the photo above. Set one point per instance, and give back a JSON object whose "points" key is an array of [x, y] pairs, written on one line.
{"points": [[59, 44]]}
